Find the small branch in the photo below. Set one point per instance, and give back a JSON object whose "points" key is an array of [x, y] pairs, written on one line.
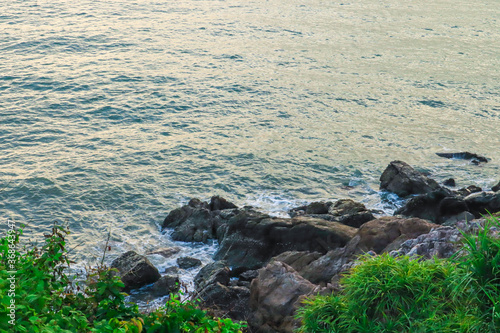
{"points": [[105, 247]]}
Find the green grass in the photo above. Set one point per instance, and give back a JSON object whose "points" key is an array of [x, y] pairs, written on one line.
{"points": [[47, 301], [386, 294]]}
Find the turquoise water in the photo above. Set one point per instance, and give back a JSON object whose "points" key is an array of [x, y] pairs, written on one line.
{"points": [[114, 112]]}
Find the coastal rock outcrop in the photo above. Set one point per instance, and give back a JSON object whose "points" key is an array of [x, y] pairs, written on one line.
{"points": [[345, 211], [402, 179], [444, 206], [135, 270], [212, 287], [250, 239]]}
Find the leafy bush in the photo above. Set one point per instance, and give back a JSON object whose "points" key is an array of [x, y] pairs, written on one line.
{"points": [[386, 294], [47, 301], [481, 259]]}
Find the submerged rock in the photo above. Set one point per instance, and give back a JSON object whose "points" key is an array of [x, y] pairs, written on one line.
{"points": [[496, 188], [165, 252], [464, 156], [450, 182], [188, 262], [135, 270], [402, 179]]}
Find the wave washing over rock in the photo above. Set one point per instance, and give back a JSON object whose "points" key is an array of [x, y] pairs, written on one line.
{"points": [[264, 266]]}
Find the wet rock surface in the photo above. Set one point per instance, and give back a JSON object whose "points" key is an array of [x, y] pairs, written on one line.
{"points": [[135, 270], [165, 285], [188, 262], [402, 179]]}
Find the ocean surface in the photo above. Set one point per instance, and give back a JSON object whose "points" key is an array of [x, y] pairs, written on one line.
{"points": [[113, 113]]}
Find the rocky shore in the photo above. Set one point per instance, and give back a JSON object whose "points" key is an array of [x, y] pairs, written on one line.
{"points": [[265, 266]]}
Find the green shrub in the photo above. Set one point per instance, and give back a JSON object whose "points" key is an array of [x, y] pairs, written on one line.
{"points": [[481, 258], [386, 294], [47, 301]]}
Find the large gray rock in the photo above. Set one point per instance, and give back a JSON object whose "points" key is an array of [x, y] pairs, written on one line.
{"points": [[250, 238], [275, 295], [402, 179], [441, 243], [135, 270]]}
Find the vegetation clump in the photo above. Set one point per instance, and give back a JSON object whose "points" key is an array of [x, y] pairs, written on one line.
{"points": [[46, 300], [387, 294]]}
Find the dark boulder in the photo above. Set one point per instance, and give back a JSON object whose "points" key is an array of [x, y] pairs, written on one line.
{"points": [[216, 272], [252, 238], [223, 300], [188, 262], [166, 285], [496, 187], [191, 224], [427, 206], [135, 270], [483, 202], [402, 179]]}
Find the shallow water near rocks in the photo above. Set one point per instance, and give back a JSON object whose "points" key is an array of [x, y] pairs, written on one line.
{"points": [[114, 112]]}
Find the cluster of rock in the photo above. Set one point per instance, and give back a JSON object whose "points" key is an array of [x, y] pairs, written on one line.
{"points": [[265, 266]]}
